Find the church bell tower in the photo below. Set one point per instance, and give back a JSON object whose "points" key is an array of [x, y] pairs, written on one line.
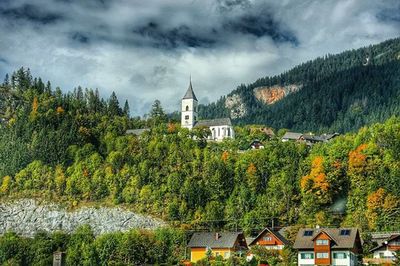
{"points": [[189, 108]]}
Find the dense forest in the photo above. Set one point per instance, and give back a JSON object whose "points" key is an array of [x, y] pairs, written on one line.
{"points": [[72, 147], [340, 93]]}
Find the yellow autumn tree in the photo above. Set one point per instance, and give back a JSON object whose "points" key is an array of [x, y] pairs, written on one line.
{"points": [[35, 106], [225, 156], [316, 182]]}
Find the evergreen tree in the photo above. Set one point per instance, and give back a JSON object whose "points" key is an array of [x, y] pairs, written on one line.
{"points": [[126, 109], [113, 105]]}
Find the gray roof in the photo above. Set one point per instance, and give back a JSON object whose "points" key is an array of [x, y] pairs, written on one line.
{"points": [[136, 132], [208, 239], [190, 93], [382, 239], [310, 137], [214, 122], [339, 241], [277, 234], [292, 135]]}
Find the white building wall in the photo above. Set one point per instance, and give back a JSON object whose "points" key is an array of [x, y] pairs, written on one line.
{"points": [[220, 132], [305, 262], [345, 262], [384, 253], [189, 113]]}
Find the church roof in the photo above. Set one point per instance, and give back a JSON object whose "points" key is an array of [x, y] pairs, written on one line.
{"points": [[214, 122], [190, 93]]}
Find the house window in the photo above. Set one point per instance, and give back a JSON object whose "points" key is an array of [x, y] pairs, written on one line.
{"points": [[267, 238], [307, 256], [322, 255], [339, 255], [345, 232], [219, 132], [308, 233], [187, 107], [226, 255], [186, 117], [229, 131], [322, 242]]}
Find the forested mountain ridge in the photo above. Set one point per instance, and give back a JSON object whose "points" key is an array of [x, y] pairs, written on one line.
{"points": [[339, 92]]}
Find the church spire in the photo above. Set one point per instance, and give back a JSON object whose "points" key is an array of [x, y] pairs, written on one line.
{"points": [[190, 93]]}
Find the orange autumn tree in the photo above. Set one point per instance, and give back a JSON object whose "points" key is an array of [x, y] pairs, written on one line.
{"points": [[381, 207], [316, 182]]}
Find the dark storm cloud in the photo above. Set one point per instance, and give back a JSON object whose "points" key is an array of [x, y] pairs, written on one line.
{"points": [[260, 26], [30, 13], [176, 37], [145, 50]]}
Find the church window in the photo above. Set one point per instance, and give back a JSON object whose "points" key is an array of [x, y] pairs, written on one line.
{"points": [[186, 117], [187, 107]]}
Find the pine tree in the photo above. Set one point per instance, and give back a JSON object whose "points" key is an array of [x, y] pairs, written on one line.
{"points": [[6, 81], [126, 109], [113, 105]]}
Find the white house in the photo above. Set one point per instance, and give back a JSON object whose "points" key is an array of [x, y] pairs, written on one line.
{"points": [[220, 128], [388, 244]]}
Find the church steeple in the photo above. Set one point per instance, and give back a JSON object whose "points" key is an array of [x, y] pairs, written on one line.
{"points": [[189, 108], [190, 93]]}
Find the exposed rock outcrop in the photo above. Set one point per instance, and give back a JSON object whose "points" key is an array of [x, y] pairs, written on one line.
{"points": [[236, 106], [26, 217], [270, 95]]}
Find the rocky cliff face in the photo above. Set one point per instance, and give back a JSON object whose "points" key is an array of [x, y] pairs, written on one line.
{"points": [[270, 95], [27, 216], [236, 106]]}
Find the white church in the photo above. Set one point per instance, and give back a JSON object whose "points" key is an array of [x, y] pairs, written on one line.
{"points": [[220, 128]]}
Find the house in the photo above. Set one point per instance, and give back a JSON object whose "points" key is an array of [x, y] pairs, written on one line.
{"points": [[270, 239], [217, 243], [220, 128], [385, 251], [256, 145], [308, 138], [328, 246], [291, 136]]}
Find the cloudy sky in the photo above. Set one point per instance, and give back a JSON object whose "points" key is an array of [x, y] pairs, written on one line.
{"points": [[147, 49]]}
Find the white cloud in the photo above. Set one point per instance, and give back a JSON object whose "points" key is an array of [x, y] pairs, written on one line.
{"points": [[219, 44]]}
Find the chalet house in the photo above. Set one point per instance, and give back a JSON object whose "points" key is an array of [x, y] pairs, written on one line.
{"points": [[218, 243], [220, 128], [328, 246], [256, 145], [270, 239], [385, 251], [308, 138]]}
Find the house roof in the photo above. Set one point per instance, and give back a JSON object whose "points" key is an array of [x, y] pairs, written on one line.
{"points": [[383, 241], [214, 122], [292, 135], [311, 137], [208, 239], [190, 93], [277, 234], [339, 241], [136, 132]]}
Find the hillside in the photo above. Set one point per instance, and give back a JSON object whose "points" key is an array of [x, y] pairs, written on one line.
{"points": [[339, 92]]}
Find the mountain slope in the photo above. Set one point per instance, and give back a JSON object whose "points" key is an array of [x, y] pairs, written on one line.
{"points": [[337, 92]]}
